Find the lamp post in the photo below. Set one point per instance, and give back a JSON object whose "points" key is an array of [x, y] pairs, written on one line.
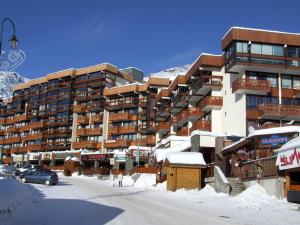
{"points": [[13, 41]]}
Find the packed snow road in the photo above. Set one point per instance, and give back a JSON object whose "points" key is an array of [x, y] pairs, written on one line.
{"points": [[89, 201]]}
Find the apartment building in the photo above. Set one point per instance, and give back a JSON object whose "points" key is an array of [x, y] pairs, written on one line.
{"points": [[253, 85], [57, 115]]}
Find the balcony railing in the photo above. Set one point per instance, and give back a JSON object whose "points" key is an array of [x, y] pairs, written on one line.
{"points": [[117, 143], [32, 125], [89, 131], [30, 137], [127, 129], [10, 140], [13, 129], [87, 144], [183, 132], [97, 118], [149, 140], [32, 148], [202, 125], [82, 119], [207, 83], [121, 116], [163, 126], [211, 102], [250, 86], [80, 108]]}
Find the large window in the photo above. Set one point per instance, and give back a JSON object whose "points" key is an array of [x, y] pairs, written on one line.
{"points": [[265, 49], [286, 81], [256, 49], [242, 47]]}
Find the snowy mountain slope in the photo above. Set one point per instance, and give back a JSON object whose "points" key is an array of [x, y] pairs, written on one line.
{"points": [[171, 72], [7, 81]]}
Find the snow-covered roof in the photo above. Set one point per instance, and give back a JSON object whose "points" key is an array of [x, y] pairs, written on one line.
{"points": [[174, 138], [187, 158], [268, 131], [134, 147], [276, 130], [295, 142], [160, 153], [254, 29], [207, 133]]}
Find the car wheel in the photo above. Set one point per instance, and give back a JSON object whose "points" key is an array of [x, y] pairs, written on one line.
{"points": [[23, 180], [17, 173], [47, 182]]}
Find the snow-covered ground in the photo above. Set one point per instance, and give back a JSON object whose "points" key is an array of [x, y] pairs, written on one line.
{"points": [[88, 200]]}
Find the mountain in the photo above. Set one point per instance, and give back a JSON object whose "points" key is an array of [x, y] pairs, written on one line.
{"points": [[7, 81], [171, 72]]}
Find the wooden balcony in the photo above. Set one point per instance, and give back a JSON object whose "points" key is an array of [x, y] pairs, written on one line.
{"points": [[122, 116], [96, 118], [204, 125], [190, 114], [183, 132], [87, 144], [180, 100], [10, 140], [128, 129], [89, 131], [163, 111], [80, 108], [279, 112], [20, 118], [250, 86], [82, 119], [204, 85], [30, 137], [15, 150], [2, 132], [113, 129], [211, 102], [114, 104], [163, 127], [117, 143], [149, 140], [6, 160], [13, 129], [2, 121]]}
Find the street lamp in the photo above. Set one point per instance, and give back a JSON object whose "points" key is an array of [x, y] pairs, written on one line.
{"points": [[13, 41]]}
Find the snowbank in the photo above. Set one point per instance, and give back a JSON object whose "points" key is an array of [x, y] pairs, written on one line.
{"points": [[255, 197], [145, 180]]}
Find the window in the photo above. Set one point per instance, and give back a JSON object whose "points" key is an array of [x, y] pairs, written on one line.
{"points": [[267, 49], [242, 47], [296, 83], [292, 52], [272, 78], [286, 81], [256, 48], [278, 50]]}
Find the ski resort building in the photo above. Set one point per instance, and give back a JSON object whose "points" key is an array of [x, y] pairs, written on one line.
{"points": [[105, 112]]}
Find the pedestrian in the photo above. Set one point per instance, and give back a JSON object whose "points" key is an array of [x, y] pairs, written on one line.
{"points": [[120, 178]]}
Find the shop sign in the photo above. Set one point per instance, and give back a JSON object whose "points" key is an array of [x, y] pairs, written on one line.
{"points": [[96, 157], [289, 159], [274, 140], [120, 158]]}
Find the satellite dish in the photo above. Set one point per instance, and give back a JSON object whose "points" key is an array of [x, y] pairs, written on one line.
{"points": [[251, 130]]}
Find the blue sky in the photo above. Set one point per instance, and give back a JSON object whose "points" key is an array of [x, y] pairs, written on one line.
{"points": [[151, 35]]}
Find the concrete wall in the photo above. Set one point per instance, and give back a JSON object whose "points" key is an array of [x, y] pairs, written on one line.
{"points": [[234, 108], [219, 184], [273, 186]]}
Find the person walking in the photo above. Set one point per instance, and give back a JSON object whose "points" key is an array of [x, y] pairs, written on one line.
{"points": [[120, 178]]}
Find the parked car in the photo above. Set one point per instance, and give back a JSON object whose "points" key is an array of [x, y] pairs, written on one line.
{"points": [[28, 167], [47, 177]]}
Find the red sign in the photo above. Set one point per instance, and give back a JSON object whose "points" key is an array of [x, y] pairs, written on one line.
{"points": [[97, 156], [289, 159]]}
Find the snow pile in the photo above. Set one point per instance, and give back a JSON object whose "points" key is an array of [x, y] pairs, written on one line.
{"points": [[15, 198], [161, 186], [255, 197], [145, 180], [171, 73], [189, 158], [7, 81]]}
